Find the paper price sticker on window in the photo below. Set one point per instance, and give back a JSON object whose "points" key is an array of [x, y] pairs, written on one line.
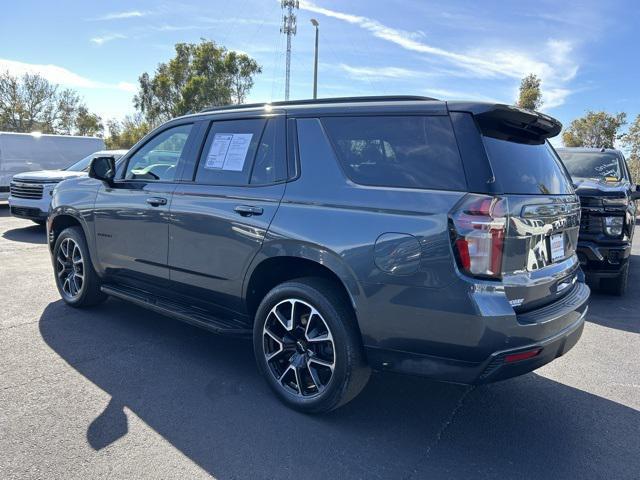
{"points": [[228, 151]]}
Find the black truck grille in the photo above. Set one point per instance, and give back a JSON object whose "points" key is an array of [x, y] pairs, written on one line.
{"points": [[31, 191], [590, 223]]}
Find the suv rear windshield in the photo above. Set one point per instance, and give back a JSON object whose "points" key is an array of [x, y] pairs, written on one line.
{"points": [[526, 169], [398, 151], [592, 164]]}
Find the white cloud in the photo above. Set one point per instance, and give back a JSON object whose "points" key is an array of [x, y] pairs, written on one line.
{"points": [[121, 15], [127, 86], [446, 94], [107, 38], [60, 75], [378, 73], [554, 97], [553, 61]]}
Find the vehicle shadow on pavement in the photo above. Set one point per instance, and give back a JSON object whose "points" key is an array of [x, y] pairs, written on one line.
{"points": [[622, 312], [203, 394], [36, 234], [29, 233]]}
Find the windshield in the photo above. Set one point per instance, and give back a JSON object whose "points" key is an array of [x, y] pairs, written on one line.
{"points": [[83, 165], [526, 169], [592, 164]]}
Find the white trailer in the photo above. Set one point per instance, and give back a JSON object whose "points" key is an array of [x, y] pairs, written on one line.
{"points": [[27, 152]]}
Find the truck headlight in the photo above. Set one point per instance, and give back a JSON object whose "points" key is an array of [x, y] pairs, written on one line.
{"points": [[613, 226]]}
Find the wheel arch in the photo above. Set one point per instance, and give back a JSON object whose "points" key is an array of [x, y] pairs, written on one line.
{"points": [[296, 261], [60, 219]]}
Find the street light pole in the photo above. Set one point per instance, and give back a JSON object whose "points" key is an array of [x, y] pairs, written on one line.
{"points": [[315, 23]]}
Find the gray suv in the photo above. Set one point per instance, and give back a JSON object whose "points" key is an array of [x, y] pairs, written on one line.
{"points": [[403, 234]]}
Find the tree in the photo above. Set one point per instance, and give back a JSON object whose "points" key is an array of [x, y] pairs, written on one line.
{"points": [[631, 140], [241, 67], [125, 134], [198, 76], [62, 118], [26, 103], [530, 94], [595, 129], [88, 123], [31, 103]]}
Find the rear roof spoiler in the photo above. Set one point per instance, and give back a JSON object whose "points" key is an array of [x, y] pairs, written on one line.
{"points": [[507, 122]]}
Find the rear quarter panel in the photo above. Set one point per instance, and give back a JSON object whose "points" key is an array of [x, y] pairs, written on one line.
{"points": [[326, 217]]}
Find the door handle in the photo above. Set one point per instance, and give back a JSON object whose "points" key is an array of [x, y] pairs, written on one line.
{"points": [[248, 210], [156, 201]]}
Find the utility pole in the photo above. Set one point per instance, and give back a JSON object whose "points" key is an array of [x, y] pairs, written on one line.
{"points": [[315, 23], [289, 28]]}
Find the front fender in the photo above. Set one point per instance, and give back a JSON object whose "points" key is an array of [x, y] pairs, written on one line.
{"points": [[74, 201]]}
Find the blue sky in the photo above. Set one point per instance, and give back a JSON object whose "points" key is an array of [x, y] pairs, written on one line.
{"points": [[585, 51]]}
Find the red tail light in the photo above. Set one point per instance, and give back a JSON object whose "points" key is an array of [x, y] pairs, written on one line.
{"points": [[516, 357], [478, 230]]}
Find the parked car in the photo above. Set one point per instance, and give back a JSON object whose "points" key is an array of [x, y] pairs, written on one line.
{"points": [[607, 194], [29, 152], [30, 192], [395, 233]]}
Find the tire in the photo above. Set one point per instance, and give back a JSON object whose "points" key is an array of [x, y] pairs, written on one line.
{"points": [[618, 285], [325, 367], [76, 280]]}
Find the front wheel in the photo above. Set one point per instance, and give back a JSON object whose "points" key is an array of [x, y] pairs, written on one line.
{"points": [[308, 347], [77, 281], [617, 285]]}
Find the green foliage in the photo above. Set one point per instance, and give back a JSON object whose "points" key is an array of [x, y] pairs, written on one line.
{"points": [[595, 129], [88, 123], [31, 103], [530, 94], [631, 140], [198, 76], [126, 133]]}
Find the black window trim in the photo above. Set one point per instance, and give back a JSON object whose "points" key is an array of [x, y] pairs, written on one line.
{"points": [[394, 114], [150, 136]]}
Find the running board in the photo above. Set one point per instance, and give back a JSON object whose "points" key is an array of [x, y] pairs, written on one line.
{"points": [[180, 312]]}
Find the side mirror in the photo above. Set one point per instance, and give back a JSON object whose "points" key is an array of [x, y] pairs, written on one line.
{"points": [[636, 195], [103, 168]]}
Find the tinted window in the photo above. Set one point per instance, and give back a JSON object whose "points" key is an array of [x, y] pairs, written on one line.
{"points": [[228, 153], [411, 152], [157, 159], [592, 164], [527, 169], [270, 164]]}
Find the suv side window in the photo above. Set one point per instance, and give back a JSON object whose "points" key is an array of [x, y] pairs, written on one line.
{"points": [[270, 165], [156, 160], [398, 151], [229, 151]]}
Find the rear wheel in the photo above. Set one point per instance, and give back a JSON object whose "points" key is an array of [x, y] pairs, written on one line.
{"points": [[77, 281], [308, 347], [616, 285]]}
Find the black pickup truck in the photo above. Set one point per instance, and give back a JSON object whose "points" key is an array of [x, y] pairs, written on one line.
{"points": [[607, 194]]}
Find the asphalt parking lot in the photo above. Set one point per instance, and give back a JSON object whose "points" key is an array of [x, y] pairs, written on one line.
{"points": [[117, 391]]}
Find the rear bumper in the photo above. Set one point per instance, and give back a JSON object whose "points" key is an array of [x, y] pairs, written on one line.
{"points": [[569, 312], [602, 261]]}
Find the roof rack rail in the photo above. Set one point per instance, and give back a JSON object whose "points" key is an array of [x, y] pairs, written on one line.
{"points": [[319, 101]]}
